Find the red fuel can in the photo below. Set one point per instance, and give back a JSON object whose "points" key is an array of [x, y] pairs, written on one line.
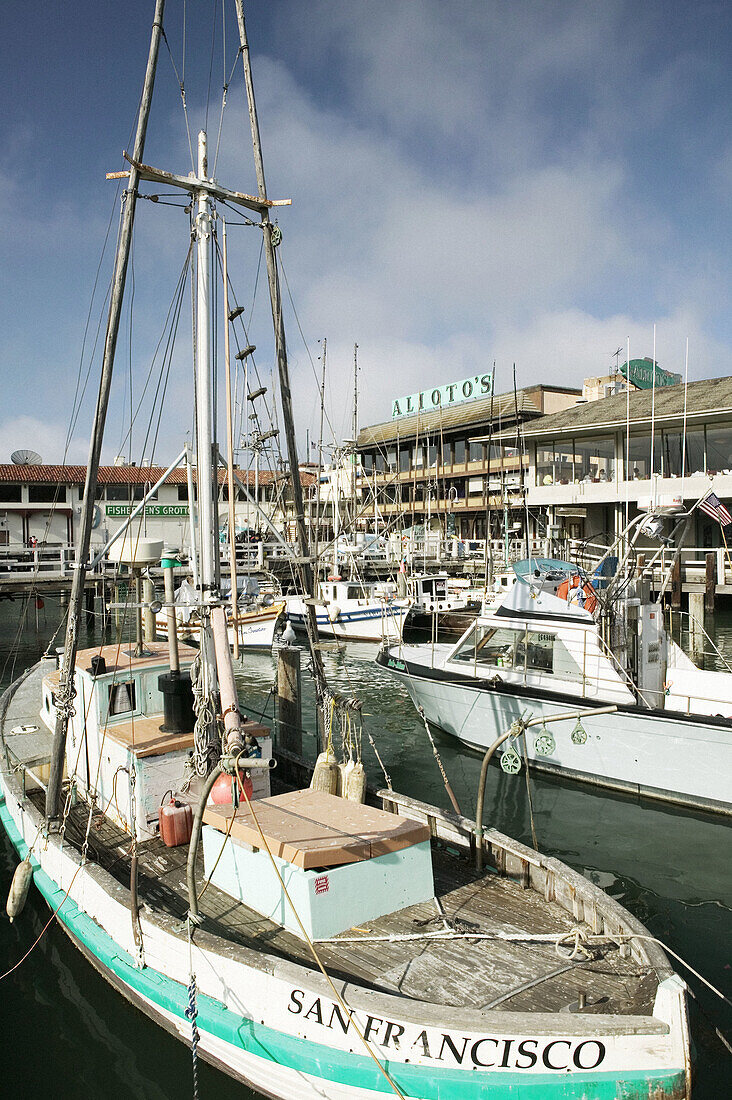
{"points": [[176, 823]]}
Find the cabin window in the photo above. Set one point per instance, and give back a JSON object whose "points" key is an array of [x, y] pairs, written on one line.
{"points": [[353, 592], [121, 698], [503, 647]]}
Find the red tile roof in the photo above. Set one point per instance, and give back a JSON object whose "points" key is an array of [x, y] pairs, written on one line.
{"points": [[120, 475]]}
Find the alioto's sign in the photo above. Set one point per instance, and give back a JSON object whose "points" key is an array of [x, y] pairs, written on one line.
{"points": [[121, 510], [640, 373], [480, 385]]}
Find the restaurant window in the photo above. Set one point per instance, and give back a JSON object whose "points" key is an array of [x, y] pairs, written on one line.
{"points": [[404, 459], [719, 450], [182, 492], [10, 493], [459, 450], [476, 451], [639, 460], [45, 494], [380, 462], [676, 458], [594, 460], [431, 454], [367, 464], [447, 452], [391, 459]]}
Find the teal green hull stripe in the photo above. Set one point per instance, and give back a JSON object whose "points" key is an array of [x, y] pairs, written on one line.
{"points": [[305, 1056]]}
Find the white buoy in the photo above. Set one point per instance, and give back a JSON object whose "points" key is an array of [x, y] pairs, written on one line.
{"points": [[325, 773], [19, 888], [355, 785], [344, 771]]}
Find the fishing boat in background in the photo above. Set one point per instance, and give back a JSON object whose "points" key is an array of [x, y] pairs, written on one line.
{"points": [[352, 610], [258, 614], [305, 943]]}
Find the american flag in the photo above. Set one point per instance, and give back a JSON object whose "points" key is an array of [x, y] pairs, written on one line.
{"points": [[713, 507]]}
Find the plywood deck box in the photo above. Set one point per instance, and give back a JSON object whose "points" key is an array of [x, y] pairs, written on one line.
{"points": [[342, 863]]}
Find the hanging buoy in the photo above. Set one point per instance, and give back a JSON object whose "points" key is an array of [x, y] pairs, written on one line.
{"points": [[355, 790], [39, 603], [19, 888], [222, 792], [325, 773], [344, 771]]}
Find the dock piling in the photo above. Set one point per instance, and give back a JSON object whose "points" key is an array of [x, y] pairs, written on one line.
{"points": [[289, 708]]}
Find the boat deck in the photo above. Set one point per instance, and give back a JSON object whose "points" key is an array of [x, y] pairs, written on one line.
{"points": [[461, 972]]}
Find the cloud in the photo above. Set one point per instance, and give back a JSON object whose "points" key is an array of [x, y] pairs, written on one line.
{"points": [[44, 435]]}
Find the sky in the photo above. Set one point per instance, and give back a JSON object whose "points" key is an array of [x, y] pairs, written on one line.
{"points": [[534, 184]]}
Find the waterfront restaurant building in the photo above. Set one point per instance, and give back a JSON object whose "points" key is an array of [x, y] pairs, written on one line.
{"points": [[591, 466], [437, 467], [41, 504]]}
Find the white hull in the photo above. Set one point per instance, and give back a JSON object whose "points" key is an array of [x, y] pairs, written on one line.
{"points": [[356, 621], [653, 753], [255, 629]]}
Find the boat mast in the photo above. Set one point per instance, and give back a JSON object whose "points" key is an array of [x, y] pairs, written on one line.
{"points": [[66, 690], [284, 377], [206, 466]]}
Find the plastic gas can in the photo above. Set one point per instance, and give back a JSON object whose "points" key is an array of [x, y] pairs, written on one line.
{"points": [[176, 823]]}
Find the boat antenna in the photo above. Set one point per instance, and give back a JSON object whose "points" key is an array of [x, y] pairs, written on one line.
{"points": [[66, 690], [271, 236]]}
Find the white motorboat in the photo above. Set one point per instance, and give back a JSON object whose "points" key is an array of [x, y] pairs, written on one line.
{"points": [[540, 650]]}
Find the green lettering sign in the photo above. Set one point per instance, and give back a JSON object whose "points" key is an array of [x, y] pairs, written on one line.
{"points": [[161, 510]]}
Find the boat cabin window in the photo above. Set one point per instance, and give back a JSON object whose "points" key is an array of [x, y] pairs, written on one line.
{"points": [[353, 592], [502, 647], [122, 697]]}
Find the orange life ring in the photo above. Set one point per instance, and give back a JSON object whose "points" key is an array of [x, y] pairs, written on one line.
{"points": [[569, 590]]}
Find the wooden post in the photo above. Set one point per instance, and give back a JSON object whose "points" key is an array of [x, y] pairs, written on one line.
{"points": [[711, 581], [289, 709], [676, 585], [696, 623], [89, 608]]}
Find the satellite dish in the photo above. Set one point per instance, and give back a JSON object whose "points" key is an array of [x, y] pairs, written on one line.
{"points": [[26, 458]]}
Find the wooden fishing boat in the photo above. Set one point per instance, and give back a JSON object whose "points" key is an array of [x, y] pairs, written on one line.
{"points": [[309, 945], [522, 980]]}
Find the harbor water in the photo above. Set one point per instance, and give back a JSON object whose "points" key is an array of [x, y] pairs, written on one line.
{"points": [[66, 1032]]}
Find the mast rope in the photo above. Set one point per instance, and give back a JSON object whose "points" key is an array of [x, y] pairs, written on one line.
{"points": [[181, 85]]}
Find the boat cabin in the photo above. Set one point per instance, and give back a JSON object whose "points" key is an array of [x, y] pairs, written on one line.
{"points": [[118, 732]]}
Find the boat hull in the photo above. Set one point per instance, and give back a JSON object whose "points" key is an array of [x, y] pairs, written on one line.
{"points": [[255, 629], [366, 622], [656, 754]]}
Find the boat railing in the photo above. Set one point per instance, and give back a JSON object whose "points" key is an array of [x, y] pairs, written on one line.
{"points": [[544, 874]]}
